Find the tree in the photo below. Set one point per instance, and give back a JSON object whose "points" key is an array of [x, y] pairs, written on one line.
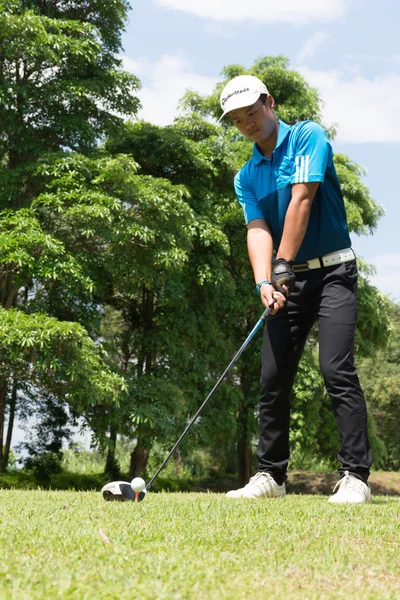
{"points": [[57, 357], [380, 377], [61, 83], [61, 89], [148, 242], [122, 234]]}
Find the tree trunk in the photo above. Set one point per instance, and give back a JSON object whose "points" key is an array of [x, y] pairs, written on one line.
{"points": [[13, 402], [112, 466], [145, 365], [3, 401], [9, 302], [139, 458], [9, 292], [179, 464], [149, 358]]}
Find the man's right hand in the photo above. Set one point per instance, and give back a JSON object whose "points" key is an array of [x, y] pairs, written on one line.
{"points": [[270, 296]]}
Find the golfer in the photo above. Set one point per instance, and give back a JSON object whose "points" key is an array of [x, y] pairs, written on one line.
{"points": [[303, 265]]}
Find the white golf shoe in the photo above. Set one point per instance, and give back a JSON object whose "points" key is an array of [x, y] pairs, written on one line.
{"points": [[350, 490], [262, 485]]}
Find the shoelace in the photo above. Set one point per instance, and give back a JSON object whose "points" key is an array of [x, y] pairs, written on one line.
{"points": [[258, 478], [350, 482]]}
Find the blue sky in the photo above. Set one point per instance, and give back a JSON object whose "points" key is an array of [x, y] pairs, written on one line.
{"points": [[347, 49]]}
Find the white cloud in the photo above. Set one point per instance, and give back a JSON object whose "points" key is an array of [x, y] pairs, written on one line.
{"points": [[365, 110], [164, 83], [137, 67], [310, 46], [219, 29], [387, 278], [261, 11], [373, 57]]}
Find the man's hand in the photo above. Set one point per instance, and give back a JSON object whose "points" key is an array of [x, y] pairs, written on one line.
{"points": [[283, 275], [271, 297]]}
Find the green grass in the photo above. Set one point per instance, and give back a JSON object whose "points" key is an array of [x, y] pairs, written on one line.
{"points": [[196, 546]]}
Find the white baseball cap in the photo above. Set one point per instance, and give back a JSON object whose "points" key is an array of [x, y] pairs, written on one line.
{"points": [[241, 91]]}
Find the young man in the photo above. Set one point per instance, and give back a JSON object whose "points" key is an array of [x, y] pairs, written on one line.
{"points": [[303, 264]]}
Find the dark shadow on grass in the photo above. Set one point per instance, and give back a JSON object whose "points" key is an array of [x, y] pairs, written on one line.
{"points": [[385, 501]]}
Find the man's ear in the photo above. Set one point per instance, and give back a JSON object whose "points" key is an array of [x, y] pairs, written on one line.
{"points": [[271, 101]]}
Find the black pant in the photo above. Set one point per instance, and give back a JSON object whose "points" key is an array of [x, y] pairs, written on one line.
{"points": [[326, 295]]}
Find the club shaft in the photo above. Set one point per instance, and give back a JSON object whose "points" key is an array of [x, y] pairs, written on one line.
{"points": [[191, 422]]}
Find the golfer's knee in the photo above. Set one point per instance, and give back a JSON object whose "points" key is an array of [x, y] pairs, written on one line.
{"points": [[337, 374]]}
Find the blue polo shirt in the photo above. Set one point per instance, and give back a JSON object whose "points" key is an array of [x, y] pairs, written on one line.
{"points": [[264, 188]]}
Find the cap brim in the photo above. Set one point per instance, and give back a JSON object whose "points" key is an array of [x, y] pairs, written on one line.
{"points": [[241, 102], [222, 116]]}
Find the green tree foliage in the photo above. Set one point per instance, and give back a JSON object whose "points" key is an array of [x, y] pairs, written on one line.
{"points": [[58, 356], [61, 83], [109, 216], [61, 89], [192, 349], [139, 232], [363, 213], [123, 233], [29, 253], [55, 356], [45, 436], [380, 377]]}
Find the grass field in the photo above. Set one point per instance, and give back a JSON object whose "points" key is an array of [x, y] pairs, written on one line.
{"points": [[196, 546]]}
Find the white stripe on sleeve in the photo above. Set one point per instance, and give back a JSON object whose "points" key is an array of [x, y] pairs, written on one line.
{"points": [[296, 179], [301, 169]]}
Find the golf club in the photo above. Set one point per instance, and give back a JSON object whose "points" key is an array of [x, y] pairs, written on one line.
{"points": [[120, 488]]}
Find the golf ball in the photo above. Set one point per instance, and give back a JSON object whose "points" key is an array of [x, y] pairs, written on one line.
{"points": [[138, 484]]}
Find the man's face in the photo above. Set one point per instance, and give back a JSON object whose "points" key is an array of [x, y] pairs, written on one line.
{"points": [[256, 122]]}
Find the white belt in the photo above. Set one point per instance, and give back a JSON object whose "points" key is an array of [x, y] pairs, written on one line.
{"points": [[333, 258]]}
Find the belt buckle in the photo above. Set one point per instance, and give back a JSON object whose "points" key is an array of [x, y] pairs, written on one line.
{"points": [[301, 267], [315, 263]]}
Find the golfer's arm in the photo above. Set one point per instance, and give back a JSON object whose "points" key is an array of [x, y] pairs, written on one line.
{"points": [[260, 248], [296, 220]]}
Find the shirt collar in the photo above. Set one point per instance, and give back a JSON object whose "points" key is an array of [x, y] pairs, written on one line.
{"points": [[282, 133]]}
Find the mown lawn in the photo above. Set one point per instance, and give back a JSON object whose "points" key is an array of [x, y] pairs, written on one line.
{"points": [[196, 546]]}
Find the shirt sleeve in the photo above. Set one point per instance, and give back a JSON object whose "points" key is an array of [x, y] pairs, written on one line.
{"points": [[312, 154], [247, 198]]}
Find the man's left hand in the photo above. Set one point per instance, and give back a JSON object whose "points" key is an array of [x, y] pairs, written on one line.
{"points": [[283, 275]]}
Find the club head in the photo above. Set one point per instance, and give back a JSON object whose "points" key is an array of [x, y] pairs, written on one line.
{"points": [[121, 491]]}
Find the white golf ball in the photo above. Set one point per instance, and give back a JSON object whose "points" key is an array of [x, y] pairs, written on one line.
{"points": [[138, 484]]}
